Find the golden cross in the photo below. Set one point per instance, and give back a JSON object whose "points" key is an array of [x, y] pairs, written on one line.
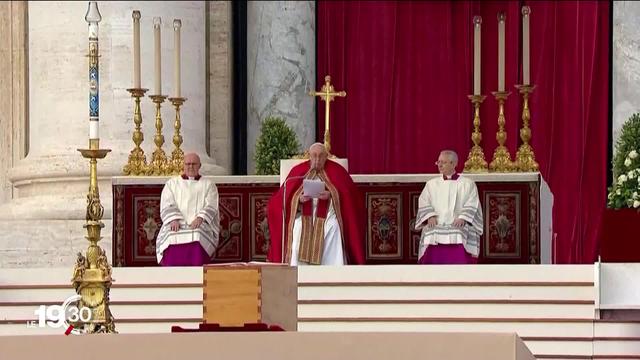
{"points": [[327, 93]]}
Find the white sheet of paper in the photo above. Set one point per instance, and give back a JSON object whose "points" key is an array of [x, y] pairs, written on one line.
{"points": [[312, 188]]}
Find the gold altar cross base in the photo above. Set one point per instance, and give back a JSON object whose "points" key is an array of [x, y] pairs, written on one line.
{"points": [[327, 93]]}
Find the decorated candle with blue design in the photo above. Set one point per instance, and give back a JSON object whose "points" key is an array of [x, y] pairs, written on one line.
{"points": [[93, 17]]}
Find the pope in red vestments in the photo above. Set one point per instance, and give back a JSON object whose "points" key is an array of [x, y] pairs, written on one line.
{"points": [[327, 230]]}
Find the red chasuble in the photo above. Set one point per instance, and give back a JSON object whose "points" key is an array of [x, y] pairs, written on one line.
{"points": [[347, 203]]}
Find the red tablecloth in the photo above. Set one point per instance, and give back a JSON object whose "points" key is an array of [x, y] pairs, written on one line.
{"points": [[218, 328], [620, 240]]}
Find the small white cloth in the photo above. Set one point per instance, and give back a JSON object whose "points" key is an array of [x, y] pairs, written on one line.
{"points": [[449, 200]]}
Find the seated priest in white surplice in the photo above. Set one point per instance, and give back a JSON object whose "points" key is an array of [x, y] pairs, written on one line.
{"points": [[450, 216], [190, 218]]}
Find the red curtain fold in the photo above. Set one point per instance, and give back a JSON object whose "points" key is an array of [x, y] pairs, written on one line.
{"points": [[407, 70]]}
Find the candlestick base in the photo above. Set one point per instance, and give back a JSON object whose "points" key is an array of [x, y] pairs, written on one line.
{"points": [[92, 272], [501, 157], [476, 162], [159, 165], [137, 162], [177, 155], [525, 158]]}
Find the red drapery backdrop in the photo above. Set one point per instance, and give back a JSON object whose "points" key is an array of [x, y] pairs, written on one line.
{"points": [[407, 70]]}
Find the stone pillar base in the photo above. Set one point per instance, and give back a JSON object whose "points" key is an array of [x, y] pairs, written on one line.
{"points": [[46, 243]]}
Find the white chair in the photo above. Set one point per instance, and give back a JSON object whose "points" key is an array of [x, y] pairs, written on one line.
{"points": [[287, 164]]}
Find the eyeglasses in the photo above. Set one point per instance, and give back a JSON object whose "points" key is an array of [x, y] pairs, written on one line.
{"points": [[191, 164], [443, 162]]}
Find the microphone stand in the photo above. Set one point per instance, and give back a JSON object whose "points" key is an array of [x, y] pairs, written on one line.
{"points": [[284, 209]]}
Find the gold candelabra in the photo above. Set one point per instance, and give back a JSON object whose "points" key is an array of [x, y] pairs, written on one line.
{"points": [[501, 158], [476, 162], [177, 155], [159, 164], [137, 164], [525, 158], [92, 273]]}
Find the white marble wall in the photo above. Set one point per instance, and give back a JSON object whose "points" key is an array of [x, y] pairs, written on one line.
{"points": [[42, 224], [58, 77], [626, 63], [280, 68]]}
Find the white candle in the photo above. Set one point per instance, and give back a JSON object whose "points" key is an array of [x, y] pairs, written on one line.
{"points": [[136, 49], [157, 86], [501, 20], [93, 30], [525, 45], [177, 24], [477, 21], [94, 126]]}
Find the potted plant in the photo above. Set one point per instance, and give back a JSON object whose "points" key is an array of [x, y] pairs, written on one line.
{"points": [[620, 240], [277, 141]]}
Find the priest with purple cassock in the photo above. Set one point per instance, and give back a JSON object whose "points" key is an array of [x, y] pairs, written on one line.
{"points": [[450, 216], [190, 218]]}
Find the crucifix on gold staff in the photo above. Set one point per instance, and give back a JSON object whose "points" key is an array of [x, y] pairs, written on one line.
{"points": [[327, 93]]}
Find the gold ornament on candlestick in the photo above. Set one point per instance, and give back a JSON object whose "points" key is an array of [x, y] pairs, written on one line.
{"points": [[137, 163], [177, 155], [501, 158], [476, 162], [159, 164], [92, 273], [525, 158], [327, 93]]}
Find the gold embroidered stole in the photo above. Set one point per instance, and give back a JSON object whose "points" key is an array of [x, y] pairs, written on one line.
{"points": [[312, 238]]}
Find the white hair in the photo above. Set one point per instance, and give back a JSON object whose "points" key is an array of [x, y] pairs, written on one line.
{"points": [[452, 155], [318, 144]]}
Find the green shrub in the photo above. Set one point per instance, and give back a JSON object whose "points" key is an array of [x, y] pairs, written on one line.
{"points": [[626, 167], [277, 141]]}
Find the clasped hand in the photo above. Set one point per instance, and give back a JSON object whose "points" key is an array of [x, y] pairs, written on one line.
{"points": [[433, 221], [175, 224], [324, 195]]}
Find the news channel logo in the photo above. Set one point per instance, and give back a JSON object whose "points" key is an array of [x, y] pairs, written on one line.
{"points": [[68, 316]]}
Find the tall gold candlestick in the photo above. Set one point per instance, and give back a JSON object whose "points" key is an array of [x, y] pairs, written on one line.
{"points": [[501, 158], [177, 155], [525, 158], [476, 162], [92, 273], [137, 163], [159, 164]]}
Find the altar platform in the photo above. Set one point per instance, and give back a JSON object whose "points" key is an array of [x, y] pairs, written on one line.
{"points": [[517, 213], [559, 311], [277, 346]]}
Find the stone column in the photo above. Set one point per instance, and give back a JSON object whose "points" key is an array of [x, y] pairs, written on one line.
{"points": [[280, 68], [42, 225], [220, 83], [626, 64], [13, 90]]}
